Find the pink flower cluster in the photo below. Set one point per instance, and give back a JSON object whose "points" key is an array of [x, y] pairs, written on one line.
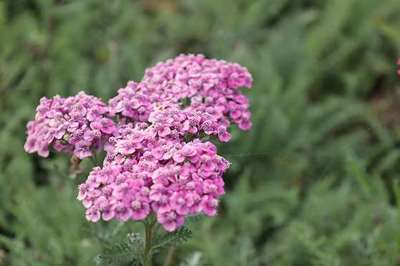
{"points": [[77, 125], [175, 122], [131, 103], [210, 86], [156, 161], [144, 173]]}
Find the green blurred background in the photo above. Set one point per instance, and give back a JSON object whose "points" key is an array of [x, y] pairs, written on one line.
{"points": [[315, 182]]}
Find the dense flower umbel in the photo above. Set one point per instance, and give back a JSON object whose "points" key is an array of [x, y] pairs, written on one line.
{"points": [[77, 125], [156, 160], [207, 85], [144, 173]]}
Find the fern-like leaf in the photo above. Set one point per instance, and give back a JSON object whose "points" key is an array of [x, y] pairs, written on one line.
{"points": [[172, 239], [126, 252]]}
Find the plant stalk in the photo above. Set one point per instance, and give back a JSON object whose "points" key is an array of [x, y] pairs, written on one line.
{"points": [[149, 234], [170, 256]]}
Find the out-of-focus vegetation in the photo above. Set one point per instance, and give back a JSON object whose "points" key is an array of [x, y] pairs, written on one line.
{"points": [[316, 181]]}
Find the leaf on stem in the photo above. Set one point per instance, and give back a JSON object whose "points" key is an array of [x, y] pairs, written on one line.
{"points": [[126, 252], [174, 238]]}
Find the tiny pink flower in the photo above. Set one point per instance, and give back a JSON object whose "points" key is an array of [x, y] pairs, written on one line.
{"points": [[223, 135], [170, 220], [140, 210], [209, 205], [93, 215]]}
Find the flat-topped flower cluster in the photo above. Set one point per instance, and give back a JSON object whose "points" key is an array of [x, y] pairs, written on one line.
{"points": [[78, 124], [152, 132]]}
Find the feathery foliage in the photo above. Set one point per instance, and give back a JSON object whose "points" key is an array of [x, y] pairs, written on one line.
{"points": [[316, 181]]}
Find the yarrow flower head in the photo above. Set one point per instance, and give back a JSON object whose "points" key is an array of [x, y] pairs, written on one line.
{"points": [[192, 83], [144, 173], [77, 125], [157, 161]]}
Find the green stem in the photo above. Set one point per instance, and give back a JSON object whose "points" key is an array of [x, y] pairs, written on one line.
{"points": [[170, 256], [149, 234]]}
